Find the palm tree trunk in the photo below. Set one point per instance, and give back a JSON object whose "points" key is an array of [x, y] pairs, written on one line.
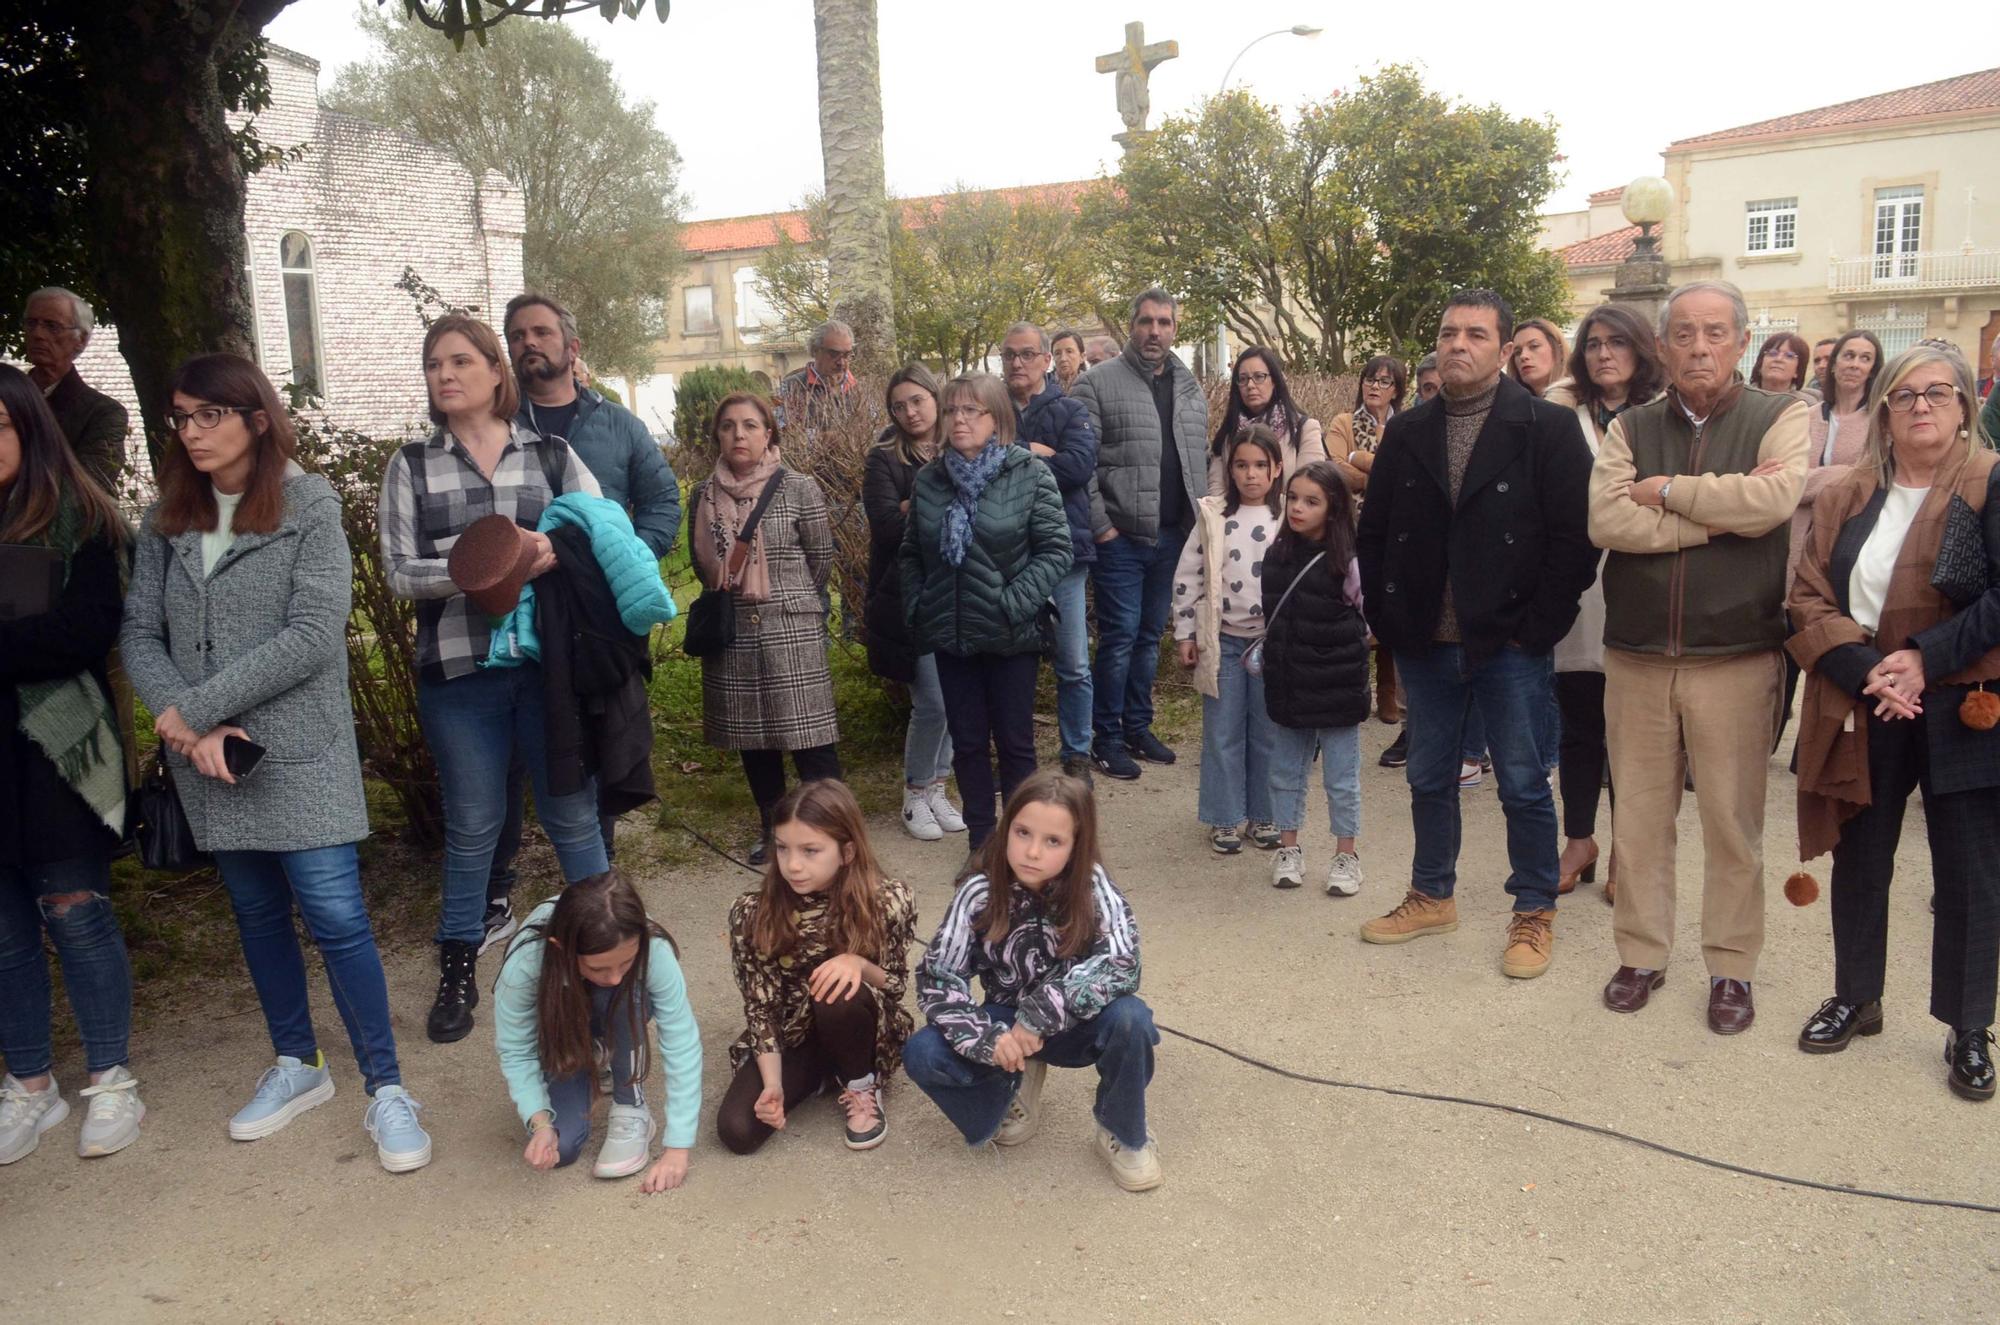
{"points": [[850, 136]]}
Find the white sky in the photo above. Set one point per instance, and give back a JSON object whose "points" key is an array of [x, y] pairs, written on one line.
{"points": [[998, 94]]}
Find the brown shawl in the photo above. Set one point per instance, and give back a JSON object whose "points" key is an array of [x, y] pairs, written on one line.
{"points": [[1833, 725], [717, 520]]}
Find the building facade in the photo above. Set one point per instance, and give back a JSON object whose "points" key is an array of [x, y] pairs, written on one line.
{"points": [[329, 236], [1858, 215]]}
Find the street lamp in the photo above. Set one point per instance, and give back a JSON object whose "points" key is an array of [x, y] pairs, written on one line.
{"points": [[1645, 204], [1296, 30]]}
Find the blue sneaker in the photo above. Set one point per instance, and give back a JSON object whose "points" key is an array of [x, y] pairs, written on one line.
{"points": [[400, 1143], [283, 1093]]}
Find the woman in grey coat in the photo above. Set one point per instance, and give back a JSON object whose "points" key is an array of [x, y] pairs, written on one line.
{"points": [[235, 626]]}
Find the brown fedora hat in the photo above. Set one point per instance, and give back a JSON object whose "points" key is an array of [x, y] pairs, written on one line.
{"points": [[490, 562]]}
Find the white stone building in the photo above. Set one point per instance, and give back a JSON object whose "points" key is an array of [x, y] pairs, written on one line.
{"points": [[330, 234]]}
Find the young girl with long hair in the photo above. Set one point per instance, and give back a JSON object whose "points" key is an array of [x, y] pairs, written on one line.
{"points": [[1316, 672], [590, 968], [821, 950], [1056, 952], [1218, 615]]}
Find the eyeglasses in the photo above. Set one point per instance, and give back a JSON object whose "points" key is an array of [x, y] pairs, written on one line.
{"points": [[1252, 379], [967, 411], [32, 324], [1937, 397], [1387, 383], [1019, 356], [906, 406], [1599, 344], [204, 418]]}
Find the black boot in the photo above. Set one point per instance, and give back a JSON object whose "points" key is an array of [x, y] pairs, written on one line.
{"points": [[1969, 1051], [458, 992]]}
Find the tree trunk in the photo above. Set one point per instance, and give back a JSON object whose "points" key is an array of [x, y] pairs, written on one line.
{"points": [[850, 137], [166, 192]]}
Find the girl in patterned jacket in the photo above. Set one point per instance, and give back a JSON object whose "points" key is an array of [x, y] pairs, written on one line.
{"points": [[1056, 951], [821, 950]]}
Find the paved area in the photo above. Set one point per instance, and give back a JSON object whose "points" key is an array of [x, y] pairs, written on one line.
{"points": [[1283, 1201]]}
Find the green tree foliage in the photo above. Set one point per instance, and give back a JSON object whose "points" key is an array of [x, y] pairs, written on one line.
{"points": [[600, 181], [1344, 231], [964, 267]]}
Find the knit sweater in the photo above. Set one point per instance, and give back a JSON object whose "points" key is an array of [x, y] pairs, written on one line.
{"points": [[1462, 421]]}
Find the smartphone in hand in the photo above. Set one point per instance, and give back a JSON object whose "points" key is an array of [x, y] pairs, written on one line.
{"points": [[241, 756]]}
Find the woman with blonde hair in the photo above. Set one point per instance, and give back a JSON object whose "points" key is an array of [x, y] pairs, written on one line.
{"points": [[1897, 620], [1537, 360]]}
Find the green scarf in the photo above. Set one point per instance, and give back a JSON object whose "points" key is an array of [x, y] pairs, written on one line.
{"points": [[71, 720]]}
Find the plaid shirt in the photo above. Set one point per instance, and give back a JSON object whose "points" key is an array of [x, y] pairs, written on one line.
{"points": [[422, 514]]}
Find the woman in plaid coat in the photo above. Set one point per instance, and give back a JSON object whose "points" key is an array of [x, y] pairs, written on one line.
{"points": [[770, 691]]}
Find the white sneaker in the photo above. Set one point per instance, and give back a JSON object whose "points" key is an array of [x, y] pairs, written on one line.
{"points": [[628, 1140], [942, 810], [1288, 868], [1343, 879], [919, 819], [1023, 1113], [1135, 1170], [112, 1122], [25, 1114], [401, 1142], [1470, 774]]}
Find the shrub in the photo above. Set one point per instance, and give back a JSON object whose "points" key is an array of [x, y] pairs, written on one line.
{"points": [[695, 397]]}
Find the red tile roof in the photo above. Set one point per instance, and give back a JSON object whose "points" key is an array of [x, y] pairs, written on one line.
{"points": [[1607, 195], [1607, 249], [729, 234], [1949, 96]]}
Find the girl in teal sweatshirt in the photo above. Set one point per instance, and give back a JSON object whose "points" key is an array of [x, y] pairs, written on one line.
{"points": [[586, 973]]}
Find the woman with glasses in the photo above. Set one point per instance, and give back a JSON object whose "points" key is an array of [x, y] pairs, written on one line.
{"points": [[1351, 439], [1897, 622], [1537, 360], [236, 637], [908, 444], [985, 543], [1782, 363], [1258, 394], [1614, 366]]}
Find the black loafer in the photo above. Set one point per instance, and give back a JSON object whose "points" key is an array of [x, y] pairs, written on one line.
{"points": [[1828, 1030], [1969, 1051]]}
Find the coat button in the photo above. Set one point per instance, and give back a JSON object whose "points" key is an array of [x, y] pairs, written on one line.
{"points": [[1500, 486], [1390, 587], [756, 618], [1409, 483], [1403, 537], [1506, 538]]}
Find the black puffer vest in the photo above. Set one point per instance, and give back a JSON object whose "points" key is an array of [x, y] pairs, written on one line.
{"points": [[1316, 650]]}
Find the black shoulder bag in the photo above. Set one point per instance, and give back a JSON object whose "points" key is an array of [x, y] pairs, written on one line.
{"points": [[711, 621]]}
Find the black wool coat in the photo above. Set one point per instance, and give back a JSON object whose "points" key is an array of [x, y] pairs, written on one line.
{"points": [[886, 483], [1316, 649], [1515, 548]]}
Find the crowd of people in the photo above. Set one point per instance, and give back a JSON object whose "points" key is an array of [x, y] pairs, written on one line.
{"points": [[1601, 570]]}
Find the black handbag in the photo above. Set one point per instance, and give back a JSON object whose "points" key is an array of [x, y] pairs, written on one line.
{"points": [[1961, 570], [166, 840], [711, 619]]}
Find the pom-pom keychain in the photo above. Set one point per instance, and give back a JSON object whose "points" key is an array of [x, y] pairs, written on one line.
{"points": [[1802, 889], [1981, 709]]}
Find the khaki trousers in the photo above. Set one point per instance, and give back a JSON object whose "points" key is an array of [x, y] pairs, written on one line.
{"points": [[1718, 715]]}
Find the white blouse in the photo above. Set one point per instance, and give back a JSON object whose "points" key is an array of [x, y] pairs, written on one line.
{"points": [[1868, 582]]}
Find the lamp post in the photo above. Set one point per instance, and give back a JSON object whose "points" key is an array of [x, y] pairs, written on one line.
{"points": [[1644, 280], [1296, 30]]}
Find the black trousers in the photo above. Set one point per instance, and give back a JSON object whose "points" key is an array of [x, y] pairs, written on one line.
{"points": [[989, 705], [1580, 699], [1964, 837], [840, 1045], [764, 770]]}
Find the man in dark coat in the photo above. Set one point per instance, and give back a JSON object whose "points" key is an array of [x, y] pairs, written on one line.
{"points": [[1475, 550], [1058, 430], [57, 325]]}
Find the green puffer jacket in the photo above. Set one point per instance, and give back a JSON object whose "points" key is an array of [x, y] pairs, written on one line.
{"points": [[1020, 547]]}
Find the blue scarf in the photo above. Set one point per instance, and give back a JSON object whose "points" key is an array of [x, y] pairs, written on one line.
{"points": [[970, 477]]}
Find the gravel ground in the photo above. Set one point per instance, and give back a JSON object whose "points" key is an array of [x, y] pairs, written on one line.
{"points": [[1283, 1200]]}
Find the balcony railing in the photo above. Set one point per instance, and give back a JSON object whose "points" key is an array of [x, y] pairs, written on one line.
{"points": [[1960, 269]]}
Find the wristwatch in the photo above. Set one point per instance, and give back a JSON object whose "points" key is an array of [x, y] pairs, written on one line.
{"points": [[1665, 488]]}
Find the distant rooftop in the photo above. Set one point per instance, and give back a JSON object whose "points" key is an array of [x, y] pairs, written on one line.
{"points": [[1948, 96], [731, 233]]}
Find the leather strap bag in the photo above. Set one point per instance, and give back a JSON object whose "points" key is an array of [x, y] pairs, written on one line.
{"points": [[711, 619]]}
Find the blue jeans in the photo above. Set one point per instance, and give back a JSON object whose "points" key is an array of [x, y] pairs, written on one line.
{"points": [[97, 974], [1072, 663], [1291, 766], [927, 743], [500, 876], [1236, 743], [1472, 741], [326, 884], [1551, 729], [475, 724], [569, 1097], [1117, 1041], [1511, 691], [1135, 590]]}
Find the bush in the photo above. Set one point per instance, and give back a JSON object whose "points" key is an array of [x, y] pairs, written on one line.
{"points": [[695, 398]]}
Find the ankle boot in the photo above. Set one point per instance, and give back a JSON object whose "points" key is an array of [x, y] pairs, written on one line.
{"points": [[458, 992]]}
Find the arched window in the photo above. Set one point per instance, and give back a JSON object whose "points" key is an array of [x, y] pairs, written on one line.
{"points": [[295, 261]]}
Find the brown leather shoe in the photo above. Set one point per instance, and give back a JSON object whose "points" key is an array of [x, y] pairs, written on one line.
{"points": [[1531, 942], [1630, 987], [1730, 1010]]}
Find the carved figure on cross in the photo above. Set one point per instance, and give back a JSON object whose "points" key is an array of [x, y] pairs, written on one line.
{"points": [[1134, 65]]}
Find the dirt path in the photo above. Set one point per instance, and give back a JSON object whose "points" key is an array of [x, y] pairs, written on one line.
{"points": [[1283, 1201]]}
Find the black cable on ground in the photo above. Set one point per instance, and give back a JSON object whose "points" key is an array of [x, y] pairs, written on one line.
{"points": [[1520, 1110], [728, 856]]}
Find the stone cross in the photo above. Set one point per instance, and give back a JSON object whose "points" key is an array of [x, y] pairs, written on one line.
{"points": [[1134, 65]]}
